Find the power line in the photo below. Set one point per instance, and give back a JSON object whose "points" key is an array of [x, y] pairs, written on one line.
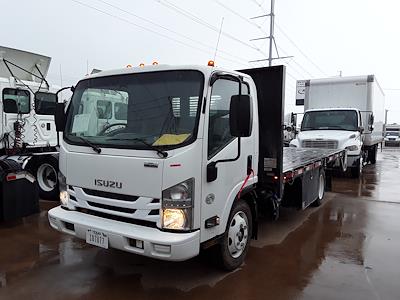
{"points": [[194, 18], [150, 30], [264, 32], [166, 28], [298, 48]]}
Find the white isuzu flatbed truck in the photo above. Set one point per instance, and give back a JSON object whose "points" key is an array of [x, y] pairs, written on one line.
{"points": [[27, 129], [192, 158]]}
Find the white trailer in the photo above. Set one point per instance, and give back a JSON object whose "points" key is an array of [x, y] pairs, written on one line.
{"points": [[199, 154], [27, 129], [342, 113]]}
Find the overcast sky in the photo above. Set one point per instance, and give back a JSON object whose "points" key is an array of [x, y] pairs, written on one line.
{"points": [[356, 37]]}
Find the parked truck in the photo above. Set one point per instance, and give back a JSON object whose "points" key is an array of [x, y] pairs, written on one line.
{"points": [[27, 132], [199, 156], [392, 135], [342, 113]]}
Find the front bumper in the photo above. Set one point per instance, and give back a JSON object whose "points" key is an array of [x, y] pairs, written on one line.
{"points": [[156, 243]]}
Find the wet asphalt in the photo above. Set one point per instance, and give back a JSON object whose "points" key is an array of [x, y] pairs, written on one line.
{"points": [[349, 248]]}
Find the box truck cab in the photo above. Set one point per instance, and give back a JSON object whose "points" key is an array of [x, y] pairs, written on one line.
{"points": [[342, 113], [199, 153], [392, 135]]}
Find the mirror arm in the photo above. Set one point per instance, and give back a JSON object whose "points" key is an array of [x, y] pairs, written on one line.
{"points": [[232, 159]]}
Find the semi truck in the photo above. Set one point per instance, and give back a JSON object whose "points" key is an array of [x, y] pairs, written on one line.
{"points": [[27, 132], [342, 113], [196, 161]]}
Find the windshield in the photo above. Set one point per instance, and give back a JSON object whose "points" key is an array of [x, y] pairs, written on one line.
{"points": [[136, 110], [392, 133], [330, 120]]}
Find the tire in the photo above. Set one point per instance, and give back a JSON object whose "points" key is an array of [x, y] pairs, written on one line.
{"points": [[46, 173], [321, 189], [372, 154], [236, 239], [356, 171]]}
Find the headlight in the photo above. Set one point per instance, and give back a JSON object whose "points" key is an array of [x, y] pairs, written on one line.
{"points": [[177, 205], [352, 148], [62, 184]]}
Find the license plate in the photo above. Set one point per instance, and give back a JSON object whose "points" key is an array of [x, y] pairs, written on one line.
{"points": [[97, 238]]}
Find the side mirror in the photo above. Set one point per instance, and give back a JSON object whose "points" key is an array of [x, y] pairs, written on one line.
{"points": [[293, 119], [371, 119], [240, 116], [360, 129], [60, 117]]}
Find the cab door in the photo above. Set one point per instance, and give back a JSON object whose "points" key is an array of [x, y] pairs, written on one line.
{"points": [[220, 145]]}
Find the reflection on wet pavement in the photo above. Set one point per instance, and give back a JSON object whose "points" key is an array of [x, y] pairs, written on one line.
{"points": [[346, 249]]}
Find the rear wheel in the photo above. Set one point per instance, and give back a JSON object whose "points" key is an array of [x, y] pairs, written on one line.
{"points": [[46, 172], [236, 239], [321, 188]]}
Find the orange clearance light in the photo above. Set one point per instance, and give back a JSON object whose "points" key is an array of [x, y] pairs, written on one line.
{"points": [[155, 63], [211, 63], [141, 65], [129, 66]]}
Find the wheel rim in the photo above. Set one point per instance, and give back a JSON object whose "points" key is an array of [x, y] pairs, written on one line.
{"points": [[238, 234], [321, 189], [47, 177]]}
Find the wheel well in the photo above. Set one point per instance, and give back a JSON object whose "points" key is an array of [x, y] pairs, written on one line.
{"points": [[250, 198]]}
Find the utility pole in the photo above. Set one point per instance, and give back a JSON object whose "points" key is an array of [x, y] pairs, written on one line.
{"points": [[271, 37], [271, 31]]}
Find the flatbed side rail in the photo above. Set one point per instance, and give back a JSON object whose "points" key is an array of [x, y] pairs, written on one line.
{"points": [[320, 158]]}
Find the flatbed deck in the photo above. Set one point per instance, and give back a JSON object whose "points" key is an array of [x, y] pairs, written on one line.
{"points": [[295, 158]]}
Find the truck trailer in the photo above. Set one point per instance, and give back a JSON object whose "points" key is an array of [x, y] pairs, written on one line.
{"points": [[27, 132], [198, 158], [342, 113]]}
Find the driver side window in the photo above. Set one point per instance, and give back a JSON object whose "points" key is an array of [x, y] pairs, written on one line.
{"points": [[218, 125]]}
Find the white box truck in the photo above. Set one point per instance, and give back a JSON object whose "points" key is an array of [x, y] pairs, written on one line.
{"points": [[27, 130], [342, 113], [196, 152]]}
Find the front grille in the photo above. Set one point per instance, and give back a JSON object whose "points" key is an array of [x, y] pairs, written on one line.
{"points": [[117, 218], [114, 208], [325, 144], [110, 195]]}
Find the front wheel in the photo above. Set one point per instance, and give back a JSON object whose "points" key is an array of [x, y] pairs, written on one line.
{"points": [[356, 171], [372, 153], [236, 239]]}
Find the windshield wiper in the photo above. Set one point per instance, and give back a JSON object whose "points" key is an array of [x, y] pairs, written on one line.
{"points": [[94, 147], [161, 153]]}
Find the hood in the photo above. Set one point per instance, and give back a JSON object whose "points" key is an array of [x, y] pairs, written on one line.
{"points": [[116, 174], [326, 134]]}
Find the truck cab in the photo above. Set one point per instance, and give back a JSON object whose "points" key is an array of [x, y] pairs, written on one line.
{"points": [[195, 152], [339, 128], [27, 105], [392, 135]]}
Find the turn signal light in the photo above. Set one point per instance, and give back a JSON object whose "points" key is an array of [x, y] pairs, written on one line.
{"points": [[211, 63], [155, 63], [129, 66], [141, 65]]}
